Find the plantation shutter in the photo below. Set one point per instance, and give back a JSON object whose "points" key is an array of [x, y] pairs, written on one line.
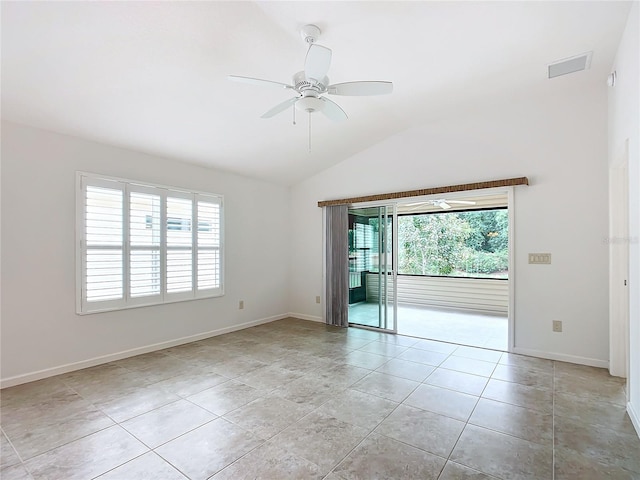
{"points": [[180, 239], [102, 247], [208, 245], [145, 265], [145, 244]]}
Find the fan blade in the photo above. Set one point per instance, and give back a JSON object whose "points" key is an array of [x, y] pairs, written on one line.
{"points": [[417, 206], [333, 111], [257, 81], [462, 202], [360, 88], [317, 63], [444, 205], [281, 107]]}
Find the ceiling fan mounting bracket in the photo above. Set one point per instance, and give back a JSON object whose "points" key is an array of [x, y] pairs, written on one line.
{"points": [[310, 33]]}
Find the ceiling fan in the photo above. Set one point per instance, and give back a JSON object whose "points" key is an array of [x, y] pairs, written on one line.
{"points": [[312, 83], [442, 203]]}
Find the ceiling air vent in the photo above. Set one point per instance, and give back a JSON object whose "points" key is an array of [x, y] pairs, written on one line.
{"points": [[570, 65]]}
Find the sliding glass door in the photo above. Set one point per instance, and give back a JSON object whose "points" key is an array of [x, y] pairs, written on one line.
{"points": [[372, 275]]}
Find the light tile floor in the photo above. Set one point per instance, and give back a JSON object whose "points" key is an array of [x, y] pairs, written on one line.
{"points": [[445, 325], [295, 400]]}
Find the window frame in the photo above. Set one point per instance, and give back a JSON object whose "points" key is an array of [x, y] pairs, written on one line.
{"points": [[127, 186]]}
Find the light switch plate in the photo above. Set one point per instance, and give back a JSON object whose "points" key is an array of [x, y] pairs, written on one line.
{"points": [[540, 258]]}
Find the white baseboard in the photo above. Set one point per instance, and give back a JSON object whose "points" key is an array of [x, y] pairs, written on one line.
{"points": [[635, 418], [592, 362], [50, 372], [303, 316], [92, 362]]}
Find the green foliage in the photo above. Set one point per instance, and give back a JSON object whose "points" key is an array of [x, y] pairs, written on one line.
{"points": [[431, 244], [464, 243], [485, 262], [489, 230]]}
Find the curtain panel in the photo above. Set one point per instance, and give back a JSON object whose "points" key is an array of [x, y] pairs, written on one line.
{"points": [[336, 266]]}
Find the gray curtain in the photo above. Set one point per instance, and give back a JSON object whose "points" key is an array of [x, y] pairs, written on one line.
{"points": [[337, 266]]}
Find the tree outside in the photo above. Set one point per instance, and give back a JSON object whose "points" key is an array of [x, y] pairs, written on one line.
{"points": [[464, 244]]}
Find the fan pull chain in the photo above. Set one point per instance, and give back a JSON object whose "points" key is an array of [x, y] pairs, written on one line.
{"points": [[309, 131], [294, 115]]}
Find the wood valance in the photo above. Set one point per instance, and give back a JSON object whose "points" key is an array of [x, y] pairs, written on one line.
{"points": [[509, 182]]}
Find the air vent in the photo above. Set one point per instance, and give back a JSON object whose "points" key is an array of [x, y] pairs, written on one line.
{"points": [[570, 65]]}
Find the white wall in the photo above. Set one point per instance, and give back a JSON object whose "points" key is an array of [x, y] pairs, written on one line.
{"points": [[560, 143], [40, 329], [624, 125]]}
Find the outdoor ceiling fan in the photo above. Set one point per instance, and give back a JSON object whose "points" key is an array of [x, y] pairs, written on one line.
{"points": [[312, 83], [442, 203]]}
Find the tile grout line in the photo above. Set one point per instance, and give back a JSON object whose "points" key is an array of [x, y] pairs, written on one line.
{"points": [[466, 423], [379, 423], [24, 462], [153, 449], [273, 436], [237, 459], [21, 461], [291, 425], [554, 391], [372, 430], [119, 424], [447, 459], [118, 466], [264, 442], [389, 414]]}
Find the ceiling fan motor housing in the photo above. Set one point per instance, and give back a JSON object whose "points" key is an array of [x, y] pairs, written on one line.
{"points": [[301, 83]]}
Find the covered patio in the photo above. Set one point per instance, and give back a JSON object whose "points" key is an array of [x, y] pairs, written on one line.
{"points": [[485, 330]]}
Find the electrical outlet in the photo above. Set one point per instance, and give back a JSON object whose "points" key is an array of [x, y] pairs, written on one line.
{"points": [[318, 299], [240, 304], [557, 325]]}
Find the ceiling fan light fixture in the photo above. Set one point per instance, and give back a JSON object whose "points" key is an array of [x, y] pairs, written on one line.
{"points": [[310, 104]]}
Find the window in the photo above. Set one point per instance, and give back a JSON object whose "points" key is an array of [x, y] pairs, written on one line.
{"points": [[137, 245], [454, 244]]}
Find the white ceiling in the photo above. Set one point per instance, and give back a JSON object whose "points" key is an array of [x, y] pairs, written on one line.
{"points": [[151, 76]]}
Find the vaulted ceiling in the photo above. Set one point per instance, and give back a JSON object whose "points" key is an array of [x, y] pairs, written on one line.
{"points": [[152, 76]]}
